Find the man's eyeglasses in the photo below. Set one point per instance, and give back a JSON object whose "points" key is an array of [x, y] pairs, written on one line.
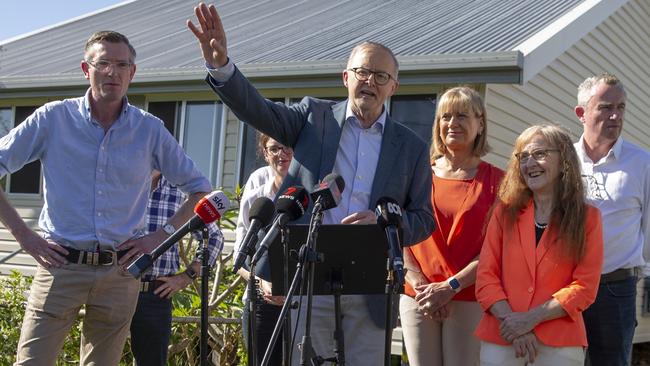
{"points": [[277, 150], [538, 155], [104, 65], [363, 74]]}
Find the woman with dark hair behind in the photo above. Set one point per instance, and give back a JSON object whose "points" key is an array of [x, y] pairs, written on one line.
{"points": [[540, 264], [264, 182], [439, 310]]}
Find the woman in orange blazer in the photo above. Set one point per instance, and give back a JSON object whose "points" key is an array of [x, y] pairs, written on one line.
{"points": [[540, 263]]}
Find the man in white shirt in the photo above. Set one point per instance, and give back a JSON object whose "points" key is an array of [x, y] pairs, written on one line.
{"points": [[616, 174]]}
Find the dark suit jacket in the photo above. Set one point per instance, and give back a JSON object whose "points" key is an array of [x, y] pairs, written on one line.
{"points": [[313, 129]]}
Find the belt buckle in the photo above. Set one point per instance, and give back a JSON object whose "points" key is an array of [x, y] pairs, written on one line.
{"points": [[113, 258]]}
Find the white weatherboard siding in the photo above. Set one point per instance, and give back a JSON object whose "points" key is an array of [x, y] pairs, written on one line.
{"points": [[28, 209]]}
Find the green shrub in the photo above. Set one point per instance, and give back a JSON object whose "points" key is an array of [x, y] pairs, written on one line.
{"points": [[12, 308]]}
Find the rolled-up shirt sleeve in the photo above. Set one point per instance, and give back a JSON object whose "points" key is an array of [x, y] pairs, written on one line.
{"points": [[24, 143]]}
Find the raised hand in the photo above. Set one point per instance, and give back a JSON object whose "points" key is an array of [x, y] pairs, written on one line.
{"points": [[211, 36]]}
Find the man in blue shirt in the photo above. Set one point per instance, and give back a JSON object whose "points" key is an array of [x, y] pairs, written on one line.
{"points": [[97, 153], [151, 324]]}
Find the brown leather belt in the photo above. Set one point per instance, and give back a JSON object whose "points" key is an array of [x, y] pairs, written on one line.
{"points": [[101, 258], [618, 275]]}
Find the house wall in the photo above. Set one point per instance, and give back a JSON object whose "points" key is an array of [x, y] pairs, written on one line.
{"points": [[621, 46]]}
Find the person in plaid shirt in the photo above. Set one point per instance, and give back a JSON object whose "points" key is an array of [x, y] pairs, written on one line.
{"points": [[151, 324]]}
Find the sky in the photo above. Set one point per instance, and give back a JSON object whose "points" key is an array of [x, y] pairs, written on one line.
{"points": [[18, 17]]}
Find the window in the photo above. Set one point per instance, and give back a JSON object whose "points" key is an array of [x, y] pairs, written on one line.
{"points": [[5, 126], [166, 111], [28, 179], [201, 136], [250, 161], [198, 126], [415, 111]]}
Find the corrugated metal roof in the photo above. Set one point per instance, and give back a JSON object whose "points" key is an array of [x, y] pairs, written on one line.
{"points": [[281, 32]]}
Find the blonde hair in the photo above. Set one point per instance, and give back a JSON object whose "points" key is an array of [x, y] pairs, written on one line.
{"points": [[569, 208], [460, 98]]}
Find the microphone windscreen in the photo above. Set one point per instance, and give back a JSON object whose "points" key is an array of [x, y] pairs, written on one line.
{"points": [[212, 206], [388, 212], [263, 210], [294, 202]]}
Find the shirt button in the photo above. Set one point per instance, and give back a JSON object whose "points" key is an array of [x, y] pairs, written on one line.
{"points": [[101, 170], [530, 290], [99, 214], [100, 192]]}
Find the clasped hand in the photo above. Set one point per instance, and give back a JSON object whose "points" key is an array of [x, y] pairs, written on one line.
{"points": [[516, 324], [433, 299]]}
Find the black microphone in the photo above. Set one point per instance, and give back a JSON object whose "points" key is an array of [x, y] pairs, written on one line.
{"points": [[260, 215], [389, 217], [209, 208], [328, 191], [290, 205]]}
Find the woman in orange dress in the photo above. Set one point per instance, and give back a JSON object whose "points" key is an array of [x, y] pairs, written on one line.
{"points": [[439, 311], [541, 261]]}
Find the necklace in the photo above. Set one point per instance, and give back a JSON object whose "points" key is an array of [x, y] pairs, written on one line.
{"points": [[540, 226]]}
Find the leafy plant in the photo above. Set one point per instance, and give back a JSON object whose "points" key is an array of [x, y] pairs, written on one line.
{"points": [[12, 308], [224, 306]]}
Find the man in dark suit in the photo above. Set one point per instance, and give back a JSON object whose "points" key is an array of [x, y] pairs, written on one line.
{"points": [[375, 155]]}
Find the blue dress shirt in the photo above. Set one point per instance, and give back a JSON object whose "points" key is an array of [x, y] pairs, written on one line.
{"points": [[96, 182]]}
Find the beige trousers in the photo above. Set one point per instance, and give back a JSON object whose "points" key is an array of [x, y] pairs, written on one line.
{"points": [[110, 296], [498, 355], [364, 341], [450, 342]]}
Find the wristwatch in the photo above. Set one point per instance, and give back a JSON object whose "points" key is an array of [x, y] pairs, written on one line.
{"points": [[454, 284], [169, 228], [191, 273]]}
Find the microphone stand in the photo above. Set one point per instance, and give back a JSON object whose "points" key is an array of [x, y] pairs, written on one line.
{"points": [[392, 288], [251, 291], [205, 275], [307, 256], [307, 352], [286, 339]]}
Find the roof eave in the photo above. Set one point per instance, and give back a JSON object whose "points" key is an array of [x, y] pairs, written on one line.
{"points": [[548, 44]]}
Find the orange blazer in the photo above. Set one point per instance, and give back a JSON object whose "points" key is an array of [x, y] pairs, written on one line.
{"points": [[512, 268]]}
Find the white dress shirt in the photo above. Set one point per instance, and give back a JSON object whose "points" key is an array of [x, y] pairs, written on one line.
{"points": [[619, 185]]}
